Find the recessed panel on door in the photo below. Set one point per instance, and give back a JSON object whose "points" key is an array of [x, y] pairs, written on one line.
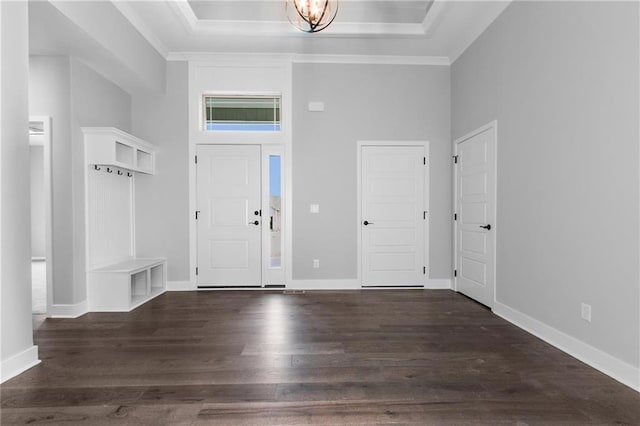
{"points": [[392, 222], [229, 224]]}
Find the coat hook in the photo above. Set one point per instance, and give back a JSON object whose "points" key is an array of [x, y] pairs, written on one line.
{"points": [[109, 170], [129, 174], [95, 166], [119, 172]]}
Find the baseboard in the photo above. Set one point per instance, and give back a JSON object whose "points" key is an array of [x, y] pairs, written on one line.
{"points": [[438, 284], [68, 311], [179, 286], [354, 284], [346, 284], [18, 363], [611, 366]]}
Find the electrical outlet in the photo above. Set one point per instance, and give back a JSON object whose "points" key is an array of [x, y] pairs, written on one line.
{"points": [[586, 312], [316, 263]]}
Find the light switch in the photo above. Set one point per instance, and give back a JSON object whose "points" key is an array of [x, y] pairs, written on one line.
{"points": [[314, 208]]}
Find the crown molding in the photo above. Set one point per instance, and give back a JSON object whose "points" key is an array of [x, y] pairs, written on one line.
{"points": [[308, 58], [372, 59]]}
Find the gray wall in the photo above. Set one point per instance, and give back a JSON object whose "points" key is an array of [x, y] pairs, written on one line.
{"points": [[50, 95], [74, 96], [362, 102], [95, 102], [15, 250], [562, 81], [162, 200], [37, 201]]}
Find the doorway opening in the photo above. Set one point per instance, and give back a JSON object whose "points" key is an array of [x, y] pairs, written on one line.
{"points": [[40, 193]]}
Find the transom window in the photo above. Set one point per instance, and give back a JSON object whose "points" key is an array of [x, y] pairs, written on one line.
{"points": [[242, 113]]}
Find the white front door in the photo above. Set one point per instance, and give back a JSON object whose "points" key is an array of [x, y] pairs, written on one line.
{"points": [[392, 221], [229, 224], [475, 211]]}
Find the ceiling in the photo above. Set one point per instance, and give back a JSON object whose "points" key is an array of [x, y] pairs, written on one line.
{"points": [[434, 30]]}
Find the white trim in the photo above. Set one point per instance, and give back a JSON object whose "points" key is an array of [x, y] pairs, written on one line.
{"points": [[371, 59], [180, 286], [281, 139], [185, 12], [438, 284], [426, 207], [48, 209], [19, 363], [309, 58], [346, 284], [69, 311], [140, 25], [621, 371], [433, 17], [493, 220]]}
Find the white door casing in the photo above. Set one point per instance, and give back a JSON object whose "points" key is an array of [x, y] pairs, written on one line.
{"points": [[475, 207], [229, 248], [393, 215]]}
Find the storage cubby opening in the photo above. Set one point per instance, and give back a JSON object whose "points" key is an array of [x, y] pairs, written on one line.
{"points": [[145, 160], [157, 277], [139, 284], [124, 153]]}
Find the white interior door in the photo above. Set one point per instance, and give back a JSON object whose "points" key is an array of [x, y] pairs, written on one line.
{"points": [[475, 211], [392, 222], [229, 224]]}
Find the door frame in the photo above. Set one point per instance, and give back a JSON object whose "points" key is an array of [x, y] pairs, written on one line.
{"points": [[420, 143], [491, 125], [48, 200], [266, 149]]}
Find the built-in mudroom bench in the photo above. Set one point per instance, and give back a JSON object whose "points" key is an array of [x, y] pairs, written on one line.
{"points": [[117, 280]]}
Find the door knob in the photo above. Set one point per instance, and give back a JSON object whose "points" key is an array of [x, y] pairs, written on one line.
{"points": [[255, 222], [366, 222], [487, 227]]}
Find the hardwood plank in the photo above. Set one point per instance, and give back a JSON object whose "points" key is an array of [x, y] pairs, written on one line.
{"points": [[347, 357]]}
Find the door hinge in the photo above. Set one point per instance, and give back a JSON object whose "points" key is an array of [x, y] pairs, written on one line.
{"points": [[197, 211], [455, 159], [196, 159], [424, 160], [424, 215], [455, 272], [196, 270], [455, 216], [424, 270]]}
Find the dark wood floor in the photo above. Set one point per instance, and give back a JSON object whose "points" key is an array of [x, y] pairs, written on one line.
{"points": [[267, 358]]}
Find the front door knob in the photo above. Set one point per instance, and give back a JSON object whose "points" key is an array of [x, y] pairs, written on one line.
{"points": [[366, 222], [487, 227]]}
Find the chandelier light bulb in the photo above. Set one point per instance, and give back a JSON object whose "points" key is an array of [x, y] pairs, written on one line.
{"points": [[311, 16]]}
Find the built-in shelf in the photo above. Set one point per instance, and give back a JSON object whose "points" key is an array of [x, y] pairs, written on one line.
{"points": [[109, 146], [123, 286]]}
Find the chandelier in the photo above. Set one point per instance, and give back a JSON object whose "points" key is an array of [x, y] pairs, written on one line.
{"points": [[311, 16]]}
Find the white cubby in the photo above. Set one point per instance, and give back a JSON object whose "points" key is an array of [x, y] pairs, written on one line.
{"points": [[124, 286], [117, 281], [108, 146]]}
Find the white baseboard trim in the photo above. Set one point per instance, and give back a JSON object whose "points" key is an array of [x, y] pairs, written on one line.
{"points": [[354, 284], [179, 286], [346, 284], [438, 284], [18, 363], [621, 371], [68, 311]]}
